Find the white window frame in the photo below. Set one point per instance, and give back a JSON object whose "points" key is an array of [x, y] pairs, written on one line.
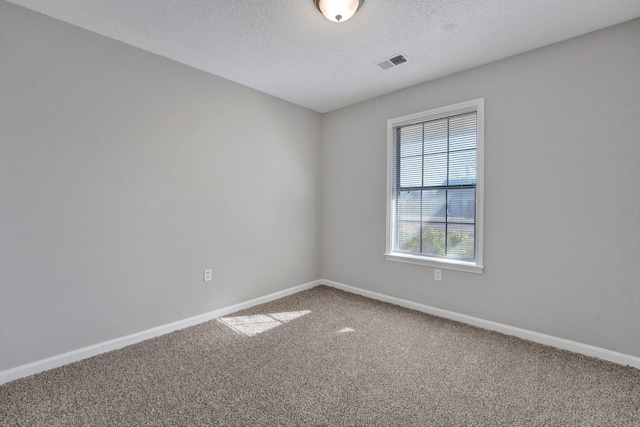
{"points": [[476, 266]]}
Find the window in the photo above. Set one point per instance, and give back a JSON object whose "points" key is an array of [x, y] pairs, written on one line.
{"points": [[435, 187]]}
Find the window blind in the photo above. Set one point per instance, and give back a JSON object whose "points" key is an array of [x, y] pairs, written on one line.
{"points": [[435, 170]]}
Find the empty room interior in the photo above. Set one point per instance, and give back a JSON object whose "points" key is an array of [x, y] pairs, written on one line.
{"points": [[246, 213]]}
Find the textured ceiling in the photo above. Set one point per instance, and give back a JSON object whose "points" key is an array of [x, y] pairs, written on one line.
{"points": [[286, 48]]}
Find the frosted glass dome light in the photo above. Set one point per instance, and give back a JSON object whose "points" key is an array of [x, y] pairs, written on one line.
{"points": [[338, 10]]}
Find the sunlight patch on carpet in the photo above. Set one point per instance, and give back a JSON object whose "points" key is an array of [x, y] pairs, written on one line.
{"points": [[258, 323], [343, 330]]}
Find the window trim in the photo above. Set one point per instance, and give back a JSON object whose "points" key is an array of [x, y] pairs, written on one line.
{"points": [[476, 266]]}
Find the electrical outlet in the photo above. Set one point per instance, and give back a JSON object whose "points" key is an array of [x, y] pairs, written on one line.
{"points": [[437, 274], [207, 275]]}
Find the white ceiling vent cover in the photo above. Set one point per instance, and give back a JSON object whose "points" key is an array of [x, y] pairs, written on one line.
{"points": [[393, 62]]}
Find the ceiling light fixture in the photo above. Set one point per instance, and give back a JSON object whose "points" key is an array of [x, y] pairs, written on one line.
{"points": [[338, 10]]}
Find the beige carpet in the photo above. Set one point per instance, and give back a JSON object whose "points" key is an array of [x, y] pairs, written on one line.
{"points": [[326, 357]]}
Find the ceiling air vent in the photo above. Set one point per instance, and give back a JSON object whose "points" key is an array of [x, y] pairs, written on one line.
{"points": [[392, 62]]}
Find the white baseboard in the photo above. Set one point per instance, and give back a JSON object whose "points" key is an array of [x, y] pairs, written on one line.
{"points": [[574, 346], [93, 350], [114, 344]]}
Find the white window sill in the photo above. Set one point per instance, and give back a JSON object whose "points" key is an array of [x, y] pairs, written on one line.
{"points": [[447, 264]]}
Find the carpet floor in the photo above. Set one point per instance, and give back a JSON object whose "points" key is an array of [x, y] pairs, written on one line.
{"points": [[327, 357]]}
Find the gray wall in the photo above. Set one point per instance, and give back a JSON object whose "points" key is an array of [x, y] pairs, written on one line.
{"points": [[123, 175], [562, 186]]}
